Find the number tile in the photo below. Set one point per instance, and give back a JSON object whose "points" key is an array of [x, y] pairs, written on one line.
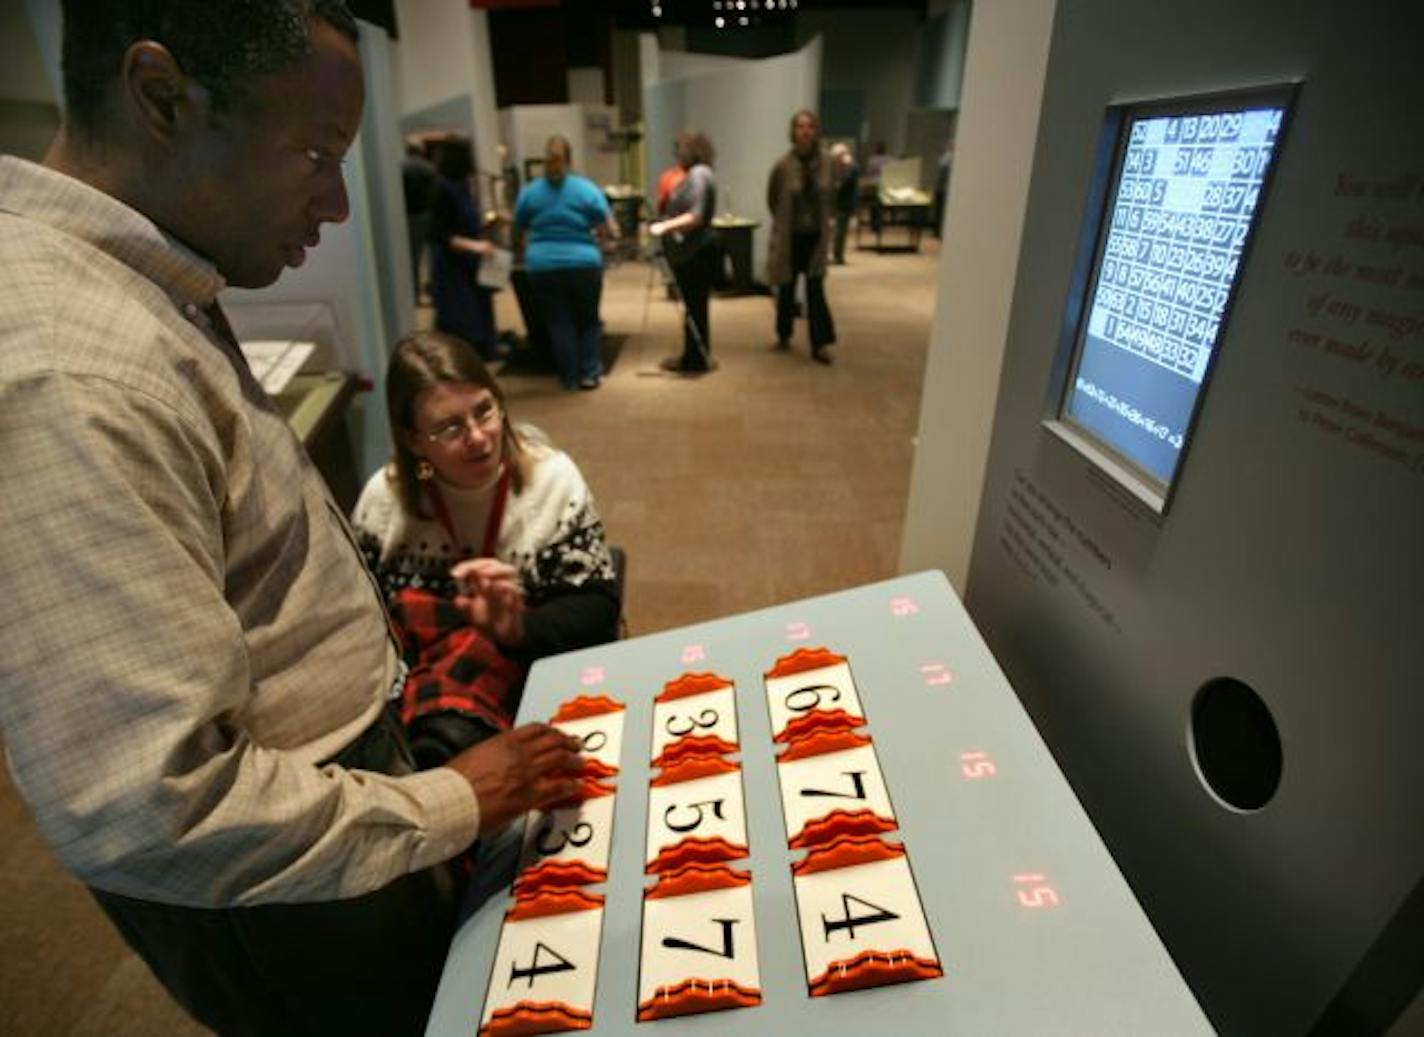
{"points": [[602, 736], [704, 722], [545, 973], [702, 819], [861, 920], [827, 795], [811, 680], [699, 950], [567, 845]]}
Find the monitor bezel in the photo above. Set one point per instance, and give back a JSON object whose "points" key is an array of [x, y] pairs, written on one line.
{"points": [[1142, 484]]}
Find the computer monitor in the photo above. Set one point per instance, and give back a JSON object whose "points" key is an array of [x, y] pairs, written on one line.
{"points": [[1184, 193]]}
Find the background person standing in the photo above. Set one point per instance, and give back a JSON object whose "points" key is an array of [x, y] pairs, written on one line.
{"points": [[800, 195], [463, 307], [686, 236], [558, 214]]}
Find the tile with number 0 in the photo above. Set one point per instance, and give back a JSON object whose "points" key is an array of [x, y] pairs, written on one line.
{"points": [[545, 973], [862, 923], [831, 794], [598, 723], [811, 680], [699, 820], [699, 949]]}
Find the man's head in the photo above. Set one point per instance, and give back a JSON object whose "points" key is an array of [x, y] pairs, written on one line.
{"points": [[224, 122]]}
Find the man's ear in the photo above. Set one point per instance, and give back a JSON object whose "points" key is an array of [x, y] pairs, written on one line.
{"points": [[157, 93]]}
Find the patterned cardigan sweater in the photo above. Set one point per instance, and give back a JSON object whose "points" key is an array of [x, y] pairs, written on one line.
{"points": [[550, 532]]}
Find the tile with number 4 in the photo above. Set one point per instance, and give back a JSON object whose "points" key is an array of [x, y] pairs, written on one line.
{"points": [[862, 924], [545, 973]]}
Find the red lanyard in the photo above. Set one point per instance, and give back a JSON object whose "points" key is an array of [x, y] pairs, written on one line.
{"points": [[492, 524]]}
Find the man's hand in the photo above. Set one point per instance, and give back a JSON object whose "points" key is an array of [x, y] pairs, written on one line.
{"points": [[521, 770], [491, 596]]}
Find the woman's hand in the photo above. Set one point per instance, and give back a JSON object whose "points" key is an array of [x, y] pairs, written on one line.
{"points": [[657, 228], [491, 596]]}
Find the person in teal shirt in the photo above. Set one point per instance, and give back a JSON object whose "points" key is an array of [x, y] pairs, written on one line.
{"points": [[559, 214]]}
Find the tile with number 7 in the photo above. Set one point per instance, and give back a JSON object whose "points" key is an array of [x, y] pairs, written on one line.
{"points": [[545, 972], [829, 794], [862, 924], [699, 951], [811, 686]]}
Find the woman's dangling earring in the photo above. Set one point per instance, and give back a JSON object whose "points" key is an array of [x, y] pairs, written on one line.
{"points": [[424, 470]]}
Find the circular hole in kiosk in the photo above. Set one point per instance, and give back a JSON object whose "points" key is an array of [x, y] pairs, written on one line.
{"points": [[1235, 745]]}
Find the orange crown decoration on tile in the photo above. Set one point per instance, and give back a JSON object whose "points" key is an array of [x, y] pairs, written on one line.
{"points": [[697, 878], [874, 969], [692, 684], [839, 824], [694, 850], [531, 1017], [697, 995], [802, 660], [584, 706]]}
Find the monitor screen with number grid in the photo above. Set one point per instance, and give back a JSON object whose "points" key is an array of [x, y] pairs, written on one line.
{"points": [[1184, 195]]}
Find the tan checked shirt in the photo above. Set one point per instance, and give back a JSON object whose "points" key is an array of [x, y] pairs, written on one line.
{"points": [[186, 628]]}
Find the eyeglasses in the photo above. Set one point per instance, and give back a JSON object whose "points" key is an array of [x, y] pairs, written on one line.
{"points": [[485, 417]]}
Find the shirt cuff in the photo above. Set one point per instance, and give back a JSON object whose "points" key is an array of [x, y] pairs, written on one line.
{"points": [[452, 815]]}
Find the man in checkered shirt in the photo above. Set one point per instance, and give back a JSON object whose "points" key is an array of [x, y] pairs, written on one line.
{"points": [[195, 665]]}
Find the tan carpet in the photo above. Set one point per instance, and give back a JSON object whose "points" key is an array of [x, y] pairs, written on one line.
{"points": [[769, 480]]}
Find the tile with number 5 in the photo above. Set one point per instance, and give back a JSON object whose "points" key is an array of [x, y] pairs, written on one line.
{"points": [[701, 820]]}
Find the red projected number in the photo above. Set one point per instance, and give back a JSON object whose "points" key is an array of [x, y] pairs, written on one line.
{"points": [[904, 606], [693, 654], [797, 631], [977, 765], [1034, 891], [936, 674], [592, 675]]}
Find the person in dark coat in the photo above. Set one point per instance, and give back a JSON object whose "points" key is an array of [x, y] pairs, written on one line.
{"points": [[800, 195], [418, 180], [463, 307]]}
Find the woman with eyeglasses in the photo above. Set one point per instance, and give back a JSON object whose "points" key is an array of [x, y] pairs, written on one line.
{"points": [[486, 543]]}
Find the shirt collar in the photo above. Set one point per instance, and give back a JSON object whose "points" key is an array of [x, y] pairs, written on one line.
{"points": [[72, 207]]}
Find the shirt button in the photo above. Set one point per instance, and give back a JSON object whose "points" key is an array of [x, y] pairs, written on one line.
{"points": [[190, 311]]}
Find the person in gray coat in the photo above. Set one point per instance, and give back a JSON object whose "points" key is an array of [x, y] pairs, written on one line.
{"points": [[801, 197]]}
